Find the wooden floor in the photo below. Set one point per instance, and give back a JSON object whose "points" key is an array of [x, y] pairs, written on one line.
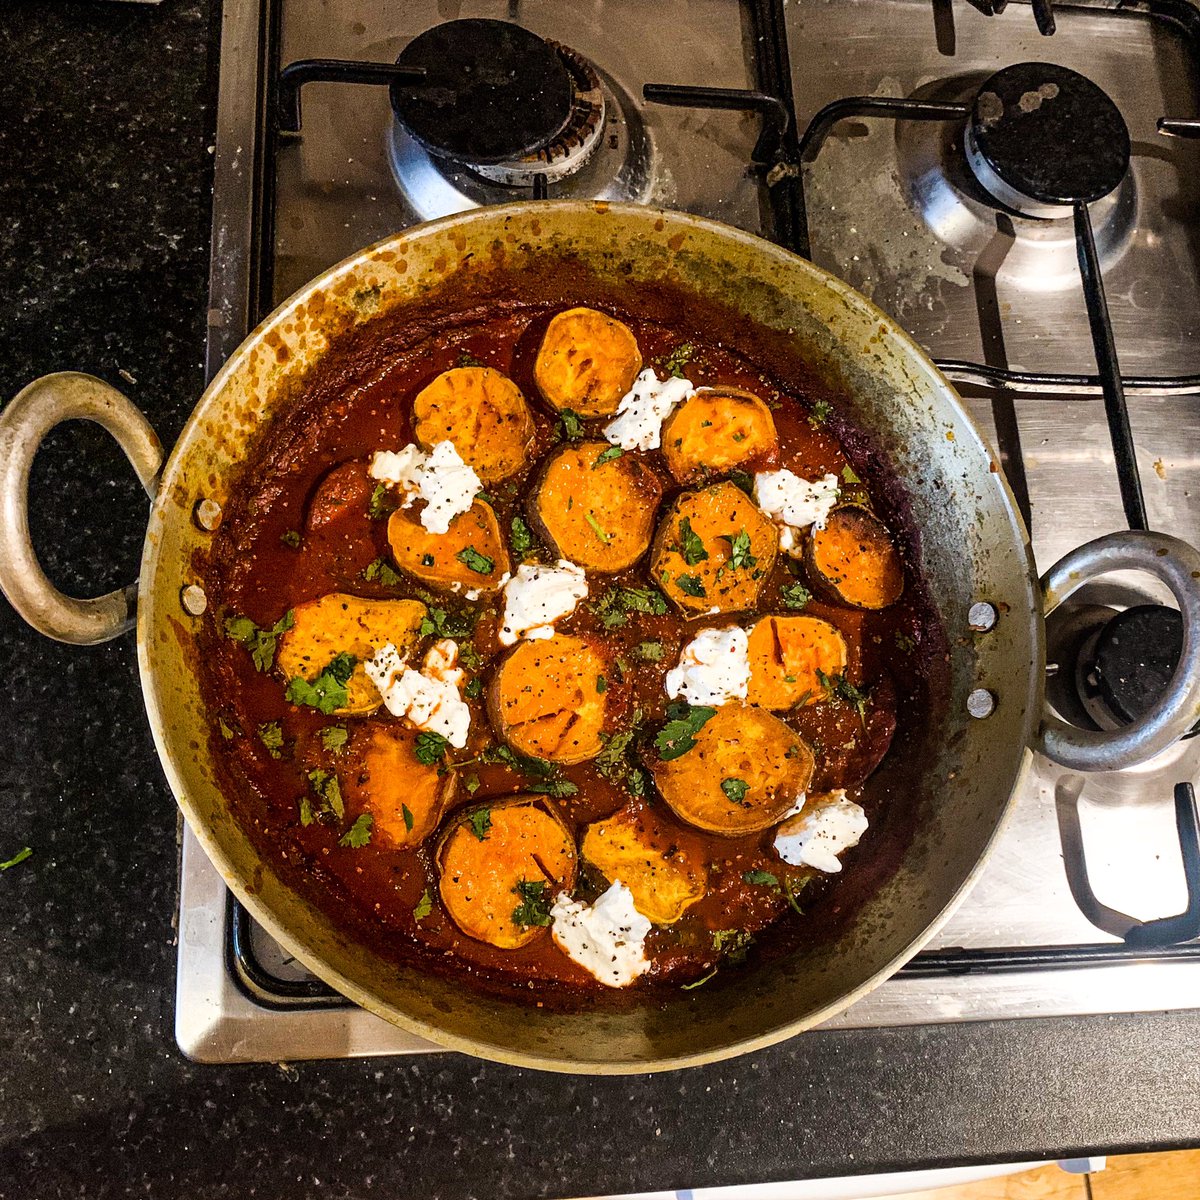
{"points": [[1174, 1176]]}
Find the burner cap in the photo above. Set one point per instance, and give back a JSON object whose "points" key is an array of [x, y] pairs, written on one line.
{"points": [[492, 91], [1041, 137], [1136, 655]]}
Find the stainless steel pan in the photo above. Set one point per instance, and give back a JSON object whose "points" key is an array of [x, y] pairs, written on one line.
{"points": [[973, 550]]}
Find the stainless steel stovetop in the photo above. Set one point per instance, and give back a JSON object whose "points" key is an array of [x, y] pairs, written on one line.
{"points": [[884, 212]]}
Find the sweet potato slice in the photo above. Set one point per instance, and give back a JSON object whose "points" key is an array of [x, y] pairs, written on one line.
{"points": [[548, 698], [853, 559], [500, 868], [785, 655], [636, 848], [745, 771], [587, 362], [483, 413], [595, 509], [341, 624], [434, 558], [713, 550], [715, 430], [381, 775]]}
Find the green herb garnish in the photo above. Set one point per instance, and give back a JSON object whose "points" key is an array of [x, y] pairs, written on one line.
{"points": [[271, 736], [466, 359], [423, 907], [819, 413], [560, 789], [601, 684], [382, 571], [437, 622], [473, 689], [430, 748], [743, 480], [329, 794], [480, 822], [327, 692], [679, 358], [571, 424], [522, 537], [690, 585], [649, 651], [596, 529], [227, 733], [614, 607], [260, 642], [688, 987], [359, 834], [18, 858], [732, 944], [840, 688], [795, 595], [739, 551], [607, 456], [761, 878], [905, 642], [381, 505], [474, 561], [334, 737], [534, 908], [735, 790], [291, 538], [678, 735], [691, 545], [848, 475]]}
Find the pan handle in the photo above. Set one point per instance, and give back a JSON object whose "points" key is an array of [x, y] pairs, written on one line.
{"points": [[1178, 565], [29, 417]]}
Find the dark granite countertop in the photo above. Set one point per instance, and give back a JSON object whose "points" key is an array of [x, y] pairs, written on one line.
{"points": [[104, 136]]}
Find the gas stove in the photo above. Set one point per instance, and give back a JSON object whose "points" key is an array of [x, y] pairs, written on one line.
{"points": [[1016, 184]]}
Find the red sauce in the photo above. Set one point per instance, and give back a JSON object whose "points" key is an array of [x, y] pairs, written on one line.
{"points": [[362, 404]]}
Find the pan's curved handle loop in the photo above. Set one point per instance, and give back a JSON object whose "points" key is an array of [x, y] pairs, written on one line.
{"points": [[1178, 565], [24, 423]]}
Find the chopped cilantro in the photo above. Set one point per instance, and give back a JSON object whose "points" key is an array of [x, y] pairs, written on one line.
{"points": [[480, 821], [333, 737], [905, 642], [679, 358], [743, 480], [848, 475], [469, 656], [735, 790], [691, 545], [466, 359], [560, 789], [423, 907], [18, 858], [610, 761], [306, 811], [596, 529], [739, 551], [381, 571], [534, 908], [739, 436], [474, 689], [327, 692], [678, 735], [607, 456], [260, 642], [795, 595], [760, 878], [732, 944], [522, 537], [819, 413], [291, 538], [427, 560], [635, 782], [406, 813], [381, 505], [649, 651], [474, 561], [430, 748], [840, 688], [271, 736], [471, 783], [690, 585], [601, 684], [227, 733], [571, 424], [687, 987], [328, 792], [790, 889], [614, 607], [437, 622], [359, 834]]}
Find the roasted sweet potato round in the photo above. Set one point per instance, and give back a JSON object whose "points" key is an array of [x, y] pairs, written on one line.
{"points": [[715, 430], [853, 559], [483, 413], [453, 561], [548, 698], [381, 775], [745, 771], [594, 508], [587, 362], [500, 868], [786, 654], [635, 847], [343, 624], [712, 551]]}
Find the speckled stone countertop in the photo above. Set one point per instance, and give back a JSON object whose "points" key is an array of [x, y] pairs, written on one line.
{"points": [[105, 117]]}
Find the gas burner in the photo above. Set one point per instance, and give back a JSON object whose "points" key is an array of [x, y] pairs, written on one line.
{"points": [[602, 152], [492, 91], [573, 145], [1041, 138]]}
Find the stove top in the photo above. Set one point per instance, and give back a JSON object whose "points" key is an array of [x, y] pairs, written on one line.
{"points": [[780, 117]]}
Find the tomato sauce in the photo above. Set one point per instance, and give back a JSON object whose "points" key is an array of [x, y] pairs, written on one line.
{"points": [[273, 552]]}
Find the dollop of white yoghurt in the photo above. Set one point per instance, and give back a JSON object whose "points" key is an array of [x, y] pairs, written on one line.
{"points": [[440, 478], [607, 939], [794, 504], [429, 699], [644, 408], [714, 667], [537, 596], [816, 837]]}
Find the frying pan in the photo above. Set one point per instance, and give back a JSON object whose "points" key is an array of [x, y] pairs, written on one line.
{"points": [[972, 550]]}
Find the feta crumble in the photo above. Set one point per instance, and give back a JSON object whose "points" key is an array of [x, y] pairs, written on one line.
{"points": [[816, 838], [607, 938], [794, 504], [428, 699], [644, 408], [537, 596], [440, 478], [714, 667]]}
